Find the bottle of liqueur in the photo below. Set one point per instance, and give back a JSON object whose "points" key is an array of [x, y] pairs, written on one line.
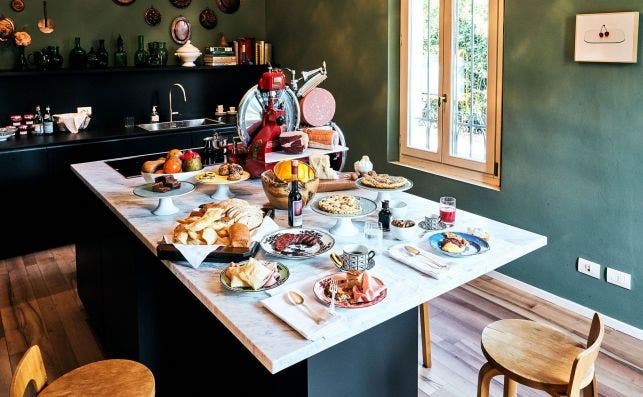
{"points": [[384, 216], [295, 203], [37, 122], [47, 122]]}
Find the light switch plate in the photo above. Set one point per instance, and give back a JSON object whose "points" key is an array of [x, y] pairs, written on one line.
{"points": [[621, 279], [588, 267]]}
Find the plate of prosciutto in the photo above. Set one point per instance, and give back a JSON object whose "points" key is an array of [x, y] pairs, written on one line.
{"points": [[297, 243], [356, 289], [254, 275]]}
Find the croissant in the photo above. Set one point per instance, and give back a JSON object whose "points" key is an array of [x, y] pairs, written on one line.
{"points": [[239, 235]]}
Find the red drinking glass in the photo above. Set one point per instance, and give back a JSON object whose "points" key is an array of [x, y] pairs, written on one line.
{"points": [[447, 210]]}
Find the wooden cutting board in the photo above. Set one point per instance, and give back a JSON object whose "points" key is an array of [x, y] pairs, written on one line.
{"points": [[345, 182]]}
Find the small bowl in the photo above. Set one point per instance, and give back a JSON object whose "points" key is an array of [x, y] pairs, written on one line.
{"points": [[404, 233], [398, 209]]}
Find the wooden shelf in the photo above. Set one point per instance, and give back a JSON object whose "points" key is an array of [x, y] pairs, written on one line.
{"points": [[129, 69], [275, 157]]}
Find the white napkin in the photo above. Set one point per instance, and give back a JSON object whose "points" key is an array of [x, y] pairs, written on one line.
{"points": [[298, 317], [418, 262], [195, 254]]}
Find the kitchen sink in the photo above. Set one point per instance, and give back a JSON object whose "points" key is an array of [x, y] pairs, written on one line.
{"points": [[193, 124]]}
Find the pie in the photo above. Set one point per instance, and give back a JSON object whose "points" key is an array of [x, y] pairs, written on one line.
{"points": [[207, 177], [384, 181], [343, 205]]}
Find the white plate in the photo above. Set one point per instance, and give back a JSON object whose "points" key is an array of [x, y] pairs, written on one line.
{"points": [[146, 191], [368, 207], [179, 176], [406, 186], [324, 242], [221, 179]]}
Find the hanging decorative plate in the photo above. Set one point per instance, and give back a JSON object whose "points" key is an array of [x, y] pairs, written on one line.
{"points": [[181, 30], [152, 16], [180, 3], [208, 18], [124, 2], [7, 28], [228, 6], [17, 5]]}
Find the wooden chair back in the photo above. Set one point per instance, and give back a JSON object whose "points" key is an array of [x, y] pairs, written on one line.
{"points": [[583, 367], [30, 368]]}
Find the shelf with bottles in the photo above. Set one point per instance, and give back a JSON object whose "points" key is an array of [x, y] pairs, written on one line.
{"points": [[128, 69]]}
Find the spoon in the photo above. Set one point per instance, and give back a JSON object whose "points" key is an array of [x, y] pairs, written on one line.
{"points": [[298, 300], [414, 251]]}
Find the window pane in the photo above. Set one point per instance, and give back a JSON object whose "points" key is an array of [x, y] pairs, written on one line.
{"points": [[469, 76], [424, 74]]}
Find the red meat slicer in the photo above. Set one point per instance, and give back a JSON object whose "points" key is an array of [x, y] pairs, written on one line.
{"points": [[268, 109]]}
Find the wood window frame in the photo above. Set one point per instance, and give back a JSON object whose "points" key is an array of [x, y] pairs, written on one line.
{"points": [[485, 174]]}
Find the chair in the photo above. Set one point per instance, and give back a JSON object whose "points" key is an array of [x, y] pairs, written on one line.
{"points": [[541, 357], [117, 378]]}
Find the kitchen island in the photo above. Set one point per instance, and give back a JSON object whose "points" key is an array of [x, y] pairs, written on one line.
{"points": [[173, 317]]}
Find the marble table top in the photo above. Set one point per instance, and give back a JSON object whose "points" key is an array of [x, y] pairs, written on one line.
{"points": [[271, 341]]}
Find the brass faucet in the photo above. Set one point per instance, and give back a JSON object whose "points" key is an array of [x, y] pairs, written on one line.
{"points": [[185, 98]]}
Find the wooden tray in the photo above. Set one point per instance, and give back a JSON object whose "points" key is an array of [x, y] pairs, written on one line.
{"points": [[221, 254]]}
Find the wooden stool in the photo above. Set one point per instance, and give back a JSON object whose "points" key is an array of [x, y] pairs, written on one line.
{"points": [[541, 357], [114, 378]]}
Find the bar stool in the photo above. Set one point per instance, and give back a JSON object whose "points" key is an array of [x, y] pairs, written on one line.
{"points": [[114, 378], [541, 357]]}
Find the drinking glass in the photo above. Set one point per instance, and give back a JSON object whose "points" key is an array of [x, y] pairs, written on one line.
{"points": [[374, 234], [128, 122], [447, 210]]}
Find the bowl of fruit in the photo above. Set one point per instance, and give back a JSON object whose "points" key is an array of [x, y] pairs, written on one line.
{"points": [[182, 165], [276, 183]]}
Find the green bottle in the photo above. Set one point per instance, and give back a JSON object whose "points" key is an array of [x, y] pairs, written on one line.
{"points": [[92, 59], [164, 53], [77, 56], [120, 56], [140, 56], [103, 56]]}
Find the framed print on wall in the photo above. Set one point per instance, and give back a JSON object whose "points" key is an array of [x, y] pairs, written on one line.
{"points": [[609, 37]]}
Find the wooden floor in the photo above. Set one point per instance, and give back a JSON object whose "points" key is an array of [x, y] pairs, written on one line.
{"points": [[39, 305]]}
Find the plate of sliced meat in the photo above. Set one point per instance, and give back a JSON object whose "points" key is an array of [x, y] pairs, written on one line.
{"points": [[297, 243]]}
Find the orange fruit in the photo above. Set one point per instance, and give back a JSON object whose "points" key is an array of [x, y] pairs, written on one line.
{"points": [[283, 171], [172, 165], [174, 153]]}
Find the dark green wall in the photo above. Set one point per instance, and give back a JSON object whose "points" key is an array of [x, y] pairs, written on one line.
{"points": [[103, 19], [572, 133]]}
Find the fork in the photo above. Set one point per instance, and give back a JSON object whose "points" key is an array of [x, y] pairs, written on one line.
{"points": [[332, 287]]}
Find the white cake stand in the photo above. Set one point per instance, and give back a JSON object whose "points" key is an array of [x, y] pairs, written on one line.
{"points": [[382, 193], [344, 226], [166, 205], [222, 191]]}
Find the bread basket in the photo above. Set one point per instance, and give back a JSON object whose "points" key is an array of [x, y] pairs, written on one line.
{"points": [[277, 191]]}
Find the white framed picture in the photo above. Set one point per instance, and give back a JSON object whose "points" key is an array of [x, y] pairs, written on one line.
{"points": [[608, 37]]}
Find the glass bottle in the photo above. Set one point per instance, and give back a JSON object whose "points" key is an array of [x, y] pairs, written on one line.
{"points": [[77, 56], [47, 122], [120, 56], [154, 57], [164, 53], [55, 60], [92, 59], [244, 56], [21, 60], [384, 216], [103, 55], [140, 56], [295, 203], [37, 122]]}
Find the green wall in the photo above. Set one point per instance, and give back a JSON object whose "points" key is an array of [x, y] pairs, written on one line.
{"points": [[92, 20], [572, 133]]}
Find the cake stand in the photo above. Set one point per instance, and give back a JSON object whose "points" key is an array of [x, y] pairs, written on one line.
{"points": [[221, 181], [383, 193], [166, 205], [344, 226]]}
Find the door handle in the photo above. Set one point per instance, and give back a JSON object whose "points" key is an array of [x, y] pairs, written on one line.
{"points": [[442, 99]]}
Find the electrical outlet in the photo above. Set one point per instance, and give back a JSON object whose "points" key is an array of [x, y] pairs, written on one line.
{"points": [[621, 279], [588, 267]]}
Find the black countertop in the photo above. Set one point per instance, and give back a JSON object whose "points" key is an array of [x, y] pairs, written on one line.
{"points": [[93, 135]]}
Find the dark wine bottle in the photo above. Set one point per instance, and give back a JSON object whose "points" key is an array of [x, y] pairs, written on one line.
{"points": [[384, 216], [295, 204]]}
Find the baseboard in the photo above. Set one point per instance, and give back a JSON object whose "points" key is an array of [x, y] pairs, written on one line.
{"points": [[569, 305]]}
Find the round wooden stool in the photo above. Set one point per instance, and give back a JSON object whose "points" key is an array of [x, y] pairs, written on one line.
{"points": [[539, 356], [113, 378]]}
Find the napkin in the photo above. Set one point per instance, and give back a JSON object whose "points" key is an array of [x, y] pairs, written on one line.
{"points": [[195, 254], [417, 262], [298, 317]]}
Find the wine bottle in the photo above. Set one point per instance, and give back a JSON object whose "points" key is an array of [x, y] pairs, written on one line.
{"points": [[295, 204], [384, 216], [47, 122], [37, 122]]}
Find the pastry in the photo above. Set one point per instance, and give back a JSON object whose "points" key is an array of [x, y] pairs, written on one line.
{"points": [[239, 235], [254, 273], [336, 204], [384, 181], [234, 176], [453, 243]]}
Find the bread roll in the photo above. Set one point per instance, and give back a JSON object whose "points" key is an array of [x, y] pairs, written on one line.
{"points": [[239, 235]]}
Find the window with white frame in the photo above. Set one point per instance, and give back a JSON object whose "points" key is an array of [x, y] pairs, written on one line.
{"points": [[451, 87]]}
